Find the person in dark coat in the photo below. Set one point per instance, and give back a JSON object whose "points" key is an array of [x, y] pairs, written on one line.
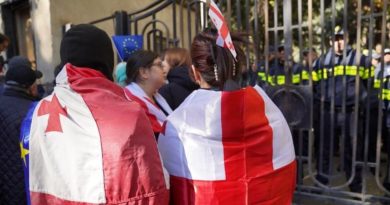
{"points": [[2, 79], [15, 101], [4, 43], [176, 63]]}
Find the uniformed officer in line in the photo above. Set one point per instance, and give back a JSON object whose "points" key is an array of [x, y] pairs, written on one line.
{"points": [[372, 78], [309, 57], [280, 75], [328, 74], [264, 78], [383, 76]]}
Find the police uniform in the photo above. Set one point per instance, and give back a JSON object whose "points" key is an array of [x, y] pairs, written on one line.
{"points": [[384, 95], [373, 80], [277, 76], [330, 75]]}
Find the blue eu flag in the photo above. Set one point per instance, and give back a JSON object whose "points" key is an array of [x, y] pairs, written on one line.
{"points": [[24, 147], [127, 45]]}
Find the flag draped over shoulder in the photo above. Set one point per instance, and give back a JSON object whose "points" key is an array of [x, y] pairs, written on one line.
{"points": [[127, 45], [156, 115], [88, 144], [228, 148]]}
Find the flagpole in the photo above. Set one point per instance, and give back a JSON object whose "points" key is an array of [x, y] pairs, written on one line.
{"points": [[116, 48]]}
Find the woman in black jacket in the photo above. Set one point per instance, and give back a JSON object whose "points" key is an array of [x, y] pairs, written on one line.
{"points": [[176, 63]]}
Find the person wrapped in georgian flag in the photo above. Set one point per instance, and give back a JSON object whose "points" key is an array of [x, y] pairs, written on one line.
{"points": [[144, 71], [86, 143], [226, 145]]}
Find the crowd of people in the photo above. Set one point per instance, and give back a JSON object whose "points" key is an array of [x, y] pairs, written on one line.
{"points": [[179, 127], [341, 82], [175, 128]]}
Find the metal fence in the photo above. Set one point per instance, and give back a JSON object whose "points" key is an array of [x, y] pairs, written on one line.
{"points": [[336, 104]]}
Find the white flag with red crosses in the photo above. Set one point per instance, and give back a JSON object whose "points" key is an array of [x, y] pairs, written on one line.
{"points": [[77, 152], [224, 39]]}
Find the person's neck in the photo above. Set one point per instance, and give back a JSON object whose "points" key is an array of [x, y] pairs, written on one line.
{"points": [[204, 85], [149, 91]]}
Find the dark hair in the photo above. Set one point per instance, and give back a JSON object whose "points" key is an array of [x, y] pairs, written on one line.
{"points": [[58, 69], [307, 51], [3, 38], [86, 45], [205, 54], [137, 60], [281, 48]]}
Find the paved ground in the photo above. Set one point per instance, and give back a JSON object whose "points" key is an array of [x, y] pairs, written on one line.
{"points": [[339, 179]]}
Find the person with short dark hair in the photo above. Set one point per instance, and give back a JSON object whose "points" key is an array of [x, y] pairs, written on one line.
{"points": [[145, 75], [15, 101], [226, 144]]}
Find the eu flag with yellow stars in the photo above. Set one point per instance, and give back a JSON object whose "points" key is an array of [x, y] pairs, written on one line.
{"points": [[24, 146], [127, 45]]}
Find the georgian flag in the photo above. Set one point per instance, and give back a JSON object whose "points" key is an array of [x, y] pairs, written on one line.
{"points": [[228, 148], [224, 39], [155, 114], [88, 144]]}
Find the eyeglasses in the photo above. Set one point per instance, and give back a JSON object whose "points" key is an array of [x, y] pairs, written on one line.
{"points": [[160, 65]]}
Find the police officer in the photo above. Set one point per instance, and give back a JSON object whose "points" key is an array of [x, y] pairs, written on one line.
{"points": [[264, 78], [309, 57], [328, 73], [385, 96], [373, 80], [278, 73]]}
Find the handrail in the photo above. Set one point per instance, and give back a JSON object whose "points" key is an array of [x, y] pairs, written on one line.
{"points": [[102, 19], [146, 8], [134, 13], [151, 12]]}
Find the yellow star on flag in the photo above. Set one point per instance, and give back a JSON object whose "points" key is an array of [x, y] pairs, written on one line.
{"points": [[23, 153]]}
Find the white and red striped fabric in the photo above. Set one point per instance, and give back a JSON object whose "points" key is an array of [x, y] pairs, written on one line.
{"points": [[229, 148], [224, 39], [155, 114], [90, 145]]}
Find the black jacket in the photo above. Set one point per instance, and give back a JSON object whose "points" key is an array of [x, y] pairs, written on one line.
{"points": [[179, 87], [14, 105], [2, 79]]}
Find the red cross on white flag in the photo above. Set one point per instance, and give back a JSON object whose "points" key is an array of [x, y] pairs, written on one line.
{"points": [[224, 39], [54, 109]]}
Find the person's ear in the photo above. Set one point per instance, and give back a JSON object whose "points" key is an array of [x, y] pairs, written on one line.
{"points": [[196, 74], [33, 90]]}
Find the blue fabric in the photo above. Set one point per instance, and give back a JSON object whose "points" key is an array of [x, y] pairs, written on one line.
{"points": [[25, 140], [127, 45], [120, 74], [14, 105]]}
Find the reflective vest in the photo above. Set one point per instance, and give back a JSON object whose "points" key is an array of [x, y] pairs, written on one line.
{"points": [[386, 81], [328, 72], [277, 75]]}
